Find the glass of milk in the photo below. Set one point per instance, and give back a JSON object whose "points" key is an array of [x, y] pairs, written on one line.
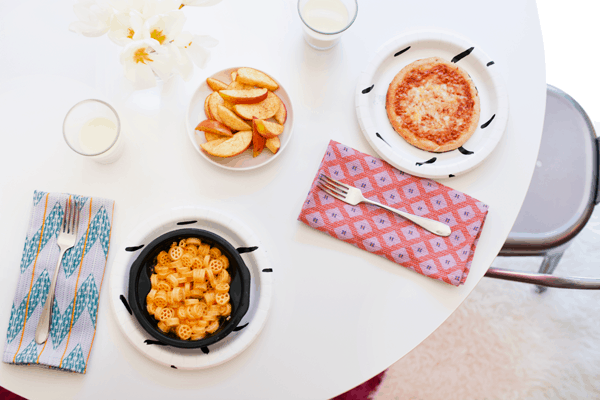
{"points": [[92, 128], [325, 20]]}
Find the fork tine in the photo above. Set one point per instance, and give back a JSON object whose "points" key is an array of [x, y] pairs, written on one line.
{"points": [[335, 189], [67, 216], [75, 217], [333, 181], [329, 192]]}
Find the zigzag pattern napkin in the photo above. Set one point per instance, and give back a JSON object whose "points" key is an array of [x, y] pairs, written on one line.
{"points": [[77, 289], [386, 234]]}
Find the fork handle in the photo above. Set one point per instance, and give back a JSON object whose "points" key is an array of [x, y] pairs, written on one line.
{"points": [[43, 328], [432, 226]]}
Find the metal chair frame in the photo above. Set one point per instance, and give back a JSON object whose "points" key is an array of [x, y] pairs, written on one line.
{"points": [[551, 245]]}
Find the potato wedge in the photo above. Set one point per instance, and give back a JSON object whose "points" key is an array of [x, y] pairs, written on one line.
{"points": [[251, 76], [263, 110], [216, 84], [214, 101], [230, 147], [258, 141], [206, 109], [230, 119], [268, 129], [233, 76], [235, 85], [251, 96], [213, 126], [273, 144], [213, 136], [281, 114]]}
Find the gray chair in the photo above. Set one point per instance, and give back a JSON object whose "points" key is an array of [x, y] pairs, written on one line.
{"points": [[561, 197]]}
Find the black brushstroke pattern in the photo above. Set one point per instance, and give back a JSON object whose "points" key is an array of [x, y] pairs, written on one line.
{"points": [[156, 342], [490, 63], [465, 151], [367, 90], [430, 161], [205, 349], [186, 222], [462, 55], [172, 366], [126, 304], [489, 122], [451, 176], [267, 270], [402, 51], [239, 328], [134, 248], [243, 250], [379, 136]]}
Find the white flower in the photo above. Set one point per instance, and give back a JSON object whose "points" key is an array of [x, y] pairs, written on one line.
{"points": [[142, 58], [192, 48], [199, 3], [126, 28], [165, 27], [94, 18]]}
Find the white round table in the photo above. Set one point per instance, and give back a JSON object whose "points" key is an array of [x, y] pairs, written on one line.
{"points": [[339, 315]]}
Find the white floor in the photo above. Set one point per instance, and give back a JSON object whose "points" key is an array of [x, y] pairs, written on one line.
{"points": [[506, 341]]}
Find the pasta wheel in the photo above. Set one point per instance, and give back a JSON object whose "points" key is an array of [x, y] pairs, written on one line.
{"points": [[176, 264], [184, 332], [172, 280], [222, 298], [198, 330], [161, 269], [150, 296], [194, 241], [181, 280], [181, 270], [186, 288], [226, 310], [215, 265], [211, 277], [188, 275], [195, 293], [178, 294], [196, 262], [151, 307], [191, 250], [165, 314], [162, 285], [182, 243], [201, 286], [153, 280], [190, 302], [209, 297], [198, 275], [197, 337], [182, 313], [222, 288], [160, 299], [197, 310], [223, 277], [205, 261], [175, 253], [172, 322], [186, 260], [203, 250], [163, 258], [212, 327], [224, 260], [202, 324], [214, 252], [208, 318], [163, 327]]}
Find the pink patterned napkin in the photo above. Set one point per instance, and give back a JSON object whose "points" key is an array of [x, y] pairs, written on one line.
{"points": [[381, 232]]}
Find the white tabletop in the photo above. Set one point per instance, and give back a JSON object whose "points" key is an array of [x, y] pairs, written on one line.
{"points": [[339, 315]]}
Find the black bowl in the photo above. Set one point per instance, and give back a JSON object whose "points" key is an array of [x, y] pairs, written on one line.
{"points": [[139, 286]]}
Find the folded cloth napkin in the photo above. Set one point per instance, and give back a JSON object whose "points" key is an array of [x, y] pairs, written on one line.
{"points": [[75, 308], [384, 233]]}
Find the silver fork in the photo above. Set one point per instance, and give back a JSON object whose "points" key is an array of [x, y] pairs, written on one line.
{"points": [[353, 196], [66, 240]]}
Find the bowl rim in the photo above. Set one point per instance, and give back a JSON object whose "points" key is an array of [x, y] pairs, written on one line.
{"points": [[229, 326]]}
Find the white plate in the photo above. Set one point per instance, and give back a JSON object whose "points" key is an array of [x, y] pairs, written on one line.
{"points": [[260, 287], [195, 114], [372, 88]]}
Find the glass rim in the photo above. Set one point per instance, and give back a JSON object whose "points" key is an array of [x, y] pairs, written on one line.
{"points": [[92, 101], [329, 33]]}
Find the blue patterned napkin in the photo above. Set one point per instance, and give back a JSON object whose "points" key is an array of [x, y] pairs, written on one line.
{"points": [[77, 289]]}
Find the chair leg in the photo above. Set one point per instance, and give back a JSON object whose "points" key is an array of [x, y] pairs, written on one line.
{"points": [[548, 266]]}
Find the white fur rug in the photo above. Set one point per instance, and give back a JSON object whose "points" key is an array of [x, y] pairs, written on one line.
{"points": [[508, 342]]}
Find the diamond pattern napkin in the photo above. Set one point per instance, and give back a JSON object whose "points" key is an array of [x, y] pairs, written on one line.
{"points": [[75, 308], [386, 234]]}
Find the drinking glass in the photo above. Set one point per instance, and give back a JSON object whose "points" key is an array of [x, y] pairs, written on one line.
{"points": [[92, 128], [324, 21]]}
